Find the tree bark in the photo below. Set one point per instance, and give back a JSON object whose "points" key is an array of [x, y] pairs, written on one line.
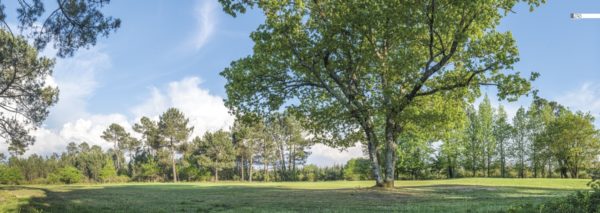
{"points": [[250, 166], [216, 174], [242, 167], [282, 172], [390, 156], [450, 168], [473, 160], [550, 168], [266, 171], [174, 168], [132, 165], [372, 148], [489, 159], [502, 160]]}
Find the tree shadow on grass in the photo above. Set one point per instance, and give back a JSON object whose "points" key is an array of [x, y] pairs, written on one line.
{"points": [[237, 198]]}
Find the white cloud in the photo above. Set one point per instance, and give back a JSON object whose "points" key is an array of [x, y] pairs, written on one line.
{"points": [[90, 129], [206, 22], [585, 98], [76, 80], [81, 130], [205, 111], [323, 155], [69, 121]]}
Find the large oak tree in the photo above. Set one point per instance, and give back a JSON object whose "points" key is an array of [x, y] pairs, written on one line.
{"points": [[354, 68]]}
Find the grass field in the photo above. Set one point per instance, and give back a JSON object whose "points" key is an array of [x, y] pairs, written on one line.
{"points": [[457, 195]]}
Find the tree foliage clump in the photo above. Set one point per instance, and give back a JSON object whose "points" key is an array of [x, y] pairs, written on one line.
{"points": [[215, 151], [358, 169], [24, 95], [10, 175], [66, 175]]}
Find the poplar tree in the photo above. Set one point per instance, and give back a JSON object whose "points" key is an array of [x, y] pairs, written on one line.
{"points": [[521, 144], [502, 133]]}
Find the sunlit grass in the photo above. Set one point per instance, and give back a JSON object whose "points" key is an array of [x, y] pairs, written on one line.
{"points": [[457, 195]]}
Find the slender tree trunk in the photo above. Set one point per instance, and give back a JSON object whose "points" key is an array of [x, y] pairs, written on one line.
{"points": [[522, 168], [502, 160], [266, 170], [173, 160], [291, 159], [550, 167], [489, 158], [282, 160], [450, 170], [250, 166], [242, 168], [535, 163], [473, 158], [131, 162], [216, 174], [117, 156]]}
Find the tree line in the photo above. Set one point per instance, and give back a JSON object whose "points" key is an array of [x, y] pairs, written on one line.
{"points": [[273, 149], [544, 140]]}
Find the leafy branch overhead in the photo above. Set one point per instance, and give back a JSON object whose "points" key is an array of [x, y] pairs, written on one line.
{"points": [[25, 96]]}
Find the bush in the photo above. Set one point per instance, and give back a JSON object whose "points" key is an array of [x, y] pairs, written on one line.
{"points": [[67, 175], [108, 172], [358, 169], [10, 175]]}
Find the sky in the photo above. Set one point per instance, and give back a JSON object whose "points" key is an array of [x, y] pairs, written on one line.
{"points": [[170, 55]]}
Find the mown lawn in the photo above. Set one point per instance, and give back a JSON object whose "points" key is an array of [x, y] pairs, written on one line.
{"points": [[458, 195]]}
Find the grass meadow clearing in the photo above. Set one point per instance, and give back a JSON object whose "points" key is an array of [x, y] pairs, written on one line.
{"points": [[456, 195]]}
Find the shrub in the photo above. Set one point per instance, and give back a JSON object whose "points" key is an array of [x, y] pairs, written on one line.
{"points": [[10, 175], [67, 175], [108, 172], [358, 169]]}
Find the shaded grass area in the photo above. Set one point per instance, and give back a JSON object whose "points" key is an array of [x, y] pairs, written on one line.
{"points": [[457, 195]]}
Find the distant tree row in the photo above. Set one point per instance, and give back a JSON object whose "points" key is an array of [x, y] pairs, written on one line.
{"points": [[545, 140], [272, 149]]}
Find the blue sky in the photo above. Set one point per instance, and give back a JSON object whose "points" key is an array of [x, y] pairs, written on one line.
{"points": [[168, 54]]}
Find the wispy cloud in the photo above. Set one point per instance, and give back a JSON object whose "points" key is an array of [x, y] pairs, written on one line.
{"points": [[76, 79], [585, 98], [206, 21]]}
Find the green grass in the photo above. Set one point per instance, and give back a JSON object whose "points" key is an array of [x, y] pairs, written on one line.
{"points": [[458, 195]]}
